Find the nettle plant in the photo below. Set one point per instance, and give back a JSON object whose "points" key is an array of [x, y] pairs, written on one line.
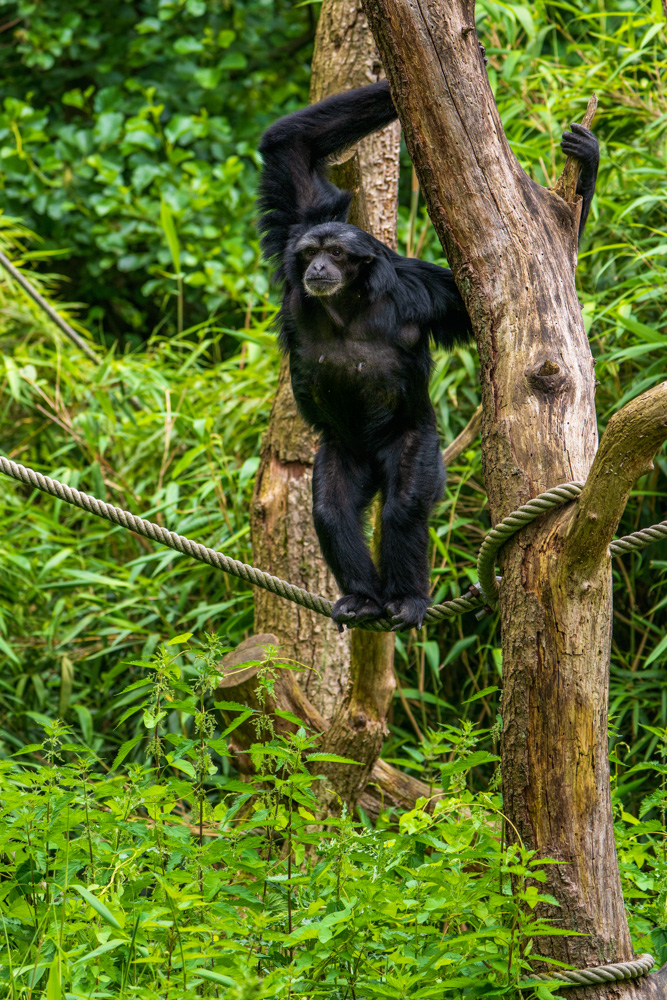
{"points": [[161, 872]]}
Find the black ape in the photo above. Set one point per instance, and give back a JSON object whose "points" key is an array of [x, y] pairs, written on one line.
{"points": [[356, 320]]}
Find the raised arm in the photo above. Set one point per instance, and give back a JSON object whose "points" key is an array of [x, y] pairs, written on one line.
{"points": [[296, 149]]}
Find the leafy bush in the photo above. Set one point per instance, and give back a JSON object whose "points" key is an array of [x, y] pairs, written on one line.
{"points": [[113, 111], [170, 876]]}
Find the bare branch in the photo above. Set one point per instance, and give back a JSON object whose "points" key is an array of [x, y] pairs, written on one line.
{"points": [[633, 437], [466, 437]]}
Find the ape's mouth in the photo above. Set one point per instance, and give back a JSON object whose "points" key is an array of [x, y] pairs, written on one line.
{"points": [[322, 286]]}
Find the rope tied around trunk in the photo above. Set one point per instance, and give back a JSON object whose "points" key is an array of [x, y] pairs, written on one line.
{"points": [[483, 597], [518, 519], [640, 966]]}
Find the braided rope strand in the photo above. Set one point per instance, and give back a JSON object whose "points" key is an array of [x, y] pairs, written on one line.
{"points": [[494, 539], [601, 973], [518, 519], [243, 571]]}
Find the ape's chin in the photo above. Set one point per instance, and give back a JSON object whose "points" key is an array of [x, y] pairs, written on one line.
{"points": [[322, 288]]}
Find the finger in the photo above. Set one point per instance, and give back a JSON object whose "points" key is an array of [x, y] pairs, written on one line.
{"points": [[581, 129]]}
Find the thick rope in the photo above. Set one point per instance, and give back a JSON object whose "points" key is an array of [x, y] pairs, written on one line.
{"points": [[483, 596], [518, 519], [148, 529], [600, 974]]}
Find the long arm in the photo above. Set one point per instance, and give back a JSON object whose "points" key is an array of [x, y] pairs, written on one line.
{"points": [[294, 188]]}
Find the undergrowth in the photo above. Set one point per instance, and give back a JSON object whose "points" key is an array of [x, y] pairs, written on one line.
{"points": [[169, 876]]}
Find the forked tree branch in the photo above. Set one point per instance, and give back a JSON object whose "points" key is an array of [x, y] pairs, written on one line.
{"points": [[633, 437]]}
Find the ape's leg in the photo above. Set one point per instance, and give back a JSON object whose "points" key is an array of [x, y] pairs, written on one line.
{"points": [[413, 477], [342, 490]]}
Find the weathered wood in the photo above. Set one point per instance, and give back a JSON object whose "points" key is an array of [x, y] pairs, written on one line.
{"points": [[378, 786], [633, 437], [512, 246], [284, 543]]}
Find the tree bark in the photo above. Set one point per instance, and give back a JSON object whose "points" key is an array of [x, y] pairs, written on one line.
{"points": [[512, 246], [379, 786]]}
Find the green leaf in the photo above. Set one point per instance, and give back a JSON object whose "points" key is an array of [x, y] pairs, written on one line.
{"points": [[108, 127], [214, 977], [124, 750], [66, 681], [98, 906], [29, 748], [208, 78], [290, 717], [169, 230], [237, 722], [183, 637], [466, 763], [657, 652], [332, 758], [182, 765], [53, 988], [481, 694], [102, 950]]}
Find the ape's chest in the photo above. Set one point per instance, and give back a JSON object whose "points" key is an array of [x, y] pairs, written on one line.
{"points": [[352, 363], [350, 373]]}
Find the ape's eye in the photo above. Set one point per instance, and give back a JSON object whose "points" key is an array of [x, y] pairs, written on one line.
{"points": [[335, 252], [310, 252]]}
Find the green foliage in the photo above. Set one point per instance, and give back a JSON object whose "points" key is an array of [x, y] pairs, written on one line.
{"points": [[112, 111], [75, 594], [136, 864], [165, 876]]}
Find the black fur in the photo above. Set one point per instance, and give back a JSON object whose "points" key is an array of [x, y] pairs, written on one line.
{"points": [[356, 321]]}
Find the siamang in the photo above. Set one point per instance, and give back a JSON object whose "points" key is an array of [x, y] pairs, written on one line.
{"points": [[356, 320]]}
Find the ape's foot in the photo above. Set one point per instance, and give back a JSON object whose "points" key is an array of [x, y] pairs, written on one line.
{"points": [[407, 612], [354, 608]]}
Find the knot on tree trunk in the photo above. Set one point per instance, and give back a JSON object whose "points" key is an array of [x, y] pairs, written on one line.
{"points": [[548, 378]]}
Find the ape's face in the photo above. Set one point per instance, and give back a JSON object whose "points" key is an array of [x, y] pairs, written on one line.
{"points": [[327, 262], [326, 270]]}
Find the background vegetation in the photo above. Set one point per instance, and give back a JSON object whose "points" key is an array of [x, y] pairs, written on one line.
{"points": [[127, 172]]}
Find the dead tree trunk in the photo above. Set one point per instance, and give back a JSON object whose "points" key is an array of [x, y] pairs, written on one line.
{"points": [[512, 245], [284, 540]]}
